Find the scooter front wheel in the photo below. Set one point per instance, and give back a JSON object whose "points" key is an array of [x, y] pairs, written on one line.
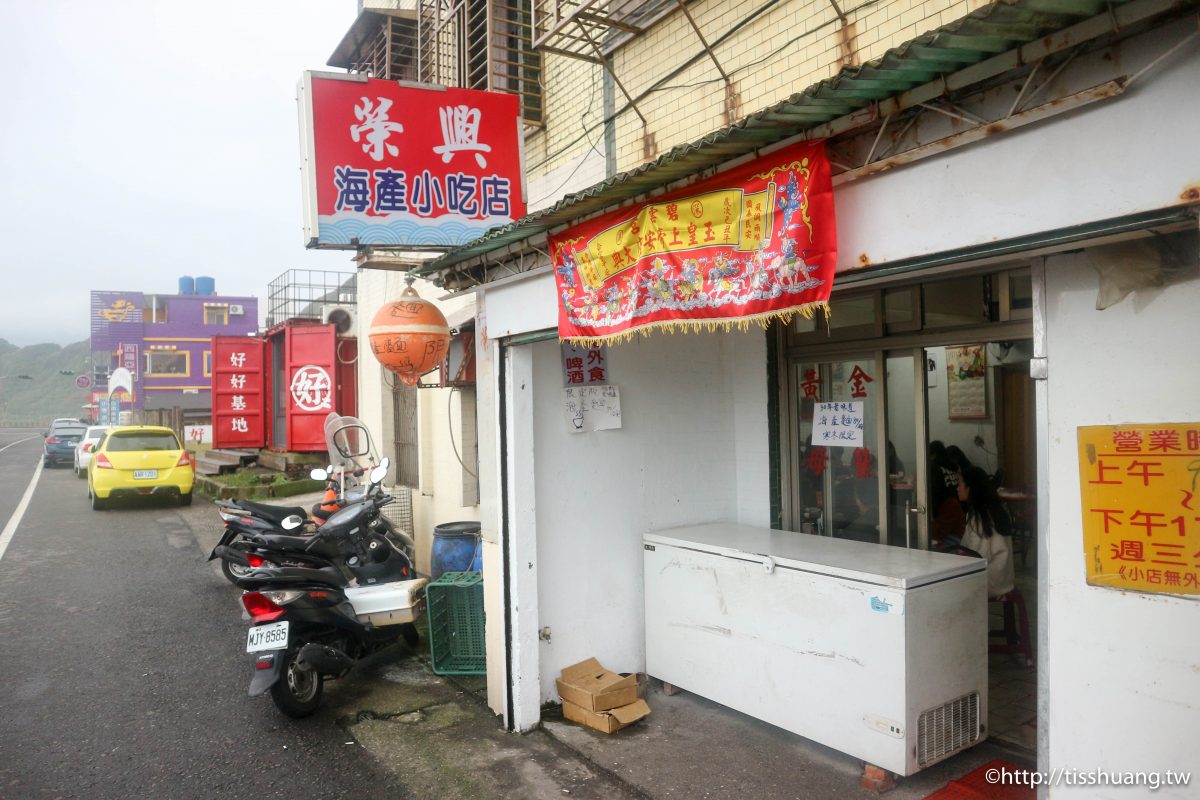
{"points": [[298, 691]]}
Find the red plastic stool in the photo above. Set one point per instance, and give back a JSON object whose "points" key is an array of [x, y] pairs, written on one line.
{"points": [[1016, 639]]}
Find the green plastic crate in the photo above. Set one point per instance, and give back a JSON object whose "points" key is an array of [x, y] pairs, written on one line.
{"points": [[455, 606]]}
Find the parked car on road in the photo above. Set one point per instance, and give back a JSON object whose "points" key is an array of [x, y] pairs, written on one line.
{"points": [[61, 438], [83, 450], [136, 460]]}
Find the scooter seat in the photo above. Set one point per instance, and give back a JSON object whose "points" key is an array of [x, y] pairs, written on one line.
{"points": [[276, 514]]}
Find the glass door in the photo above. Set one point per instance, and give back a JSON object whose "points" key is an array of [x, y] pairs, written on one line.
{"points": [[838, 474], [859, 427], [904, 448]]}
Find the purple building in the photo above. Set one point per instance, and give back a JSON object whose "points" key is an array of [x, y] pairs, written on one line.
{"points": [[164, 340]]}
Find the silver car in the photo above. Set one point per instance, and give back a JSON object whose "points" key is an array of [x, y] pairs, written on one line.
{"points": [[83, 451]]}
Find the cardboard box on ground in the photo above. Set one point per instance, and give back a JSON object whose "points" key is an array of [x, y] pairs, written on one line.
{"points": [[599, 698]]}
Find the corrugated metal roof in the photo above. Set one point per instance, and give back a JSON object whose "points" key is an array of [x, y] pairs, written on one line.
{"points": [[997, 28]]}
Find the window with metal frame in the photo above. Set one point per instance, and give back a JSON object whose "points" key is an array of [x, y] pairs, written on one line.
{"points": [[404, 427], [216, 314], [168, 363], [481, 44]]}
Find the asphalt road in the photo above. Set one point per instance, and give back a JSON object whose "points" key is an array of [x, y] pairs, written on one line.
{"points": [[123, 671]]}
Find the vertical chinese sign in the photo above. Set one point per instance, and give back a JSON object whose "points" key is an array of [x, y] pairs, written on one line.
{"points": [[407, 166], [1141, 510], [238, 384], [748, 245], [582, 366]]}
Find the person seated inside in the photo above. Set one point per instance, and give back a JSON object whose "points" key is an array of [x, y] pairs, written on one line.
{"points": [[948, 523], [988, 529]]}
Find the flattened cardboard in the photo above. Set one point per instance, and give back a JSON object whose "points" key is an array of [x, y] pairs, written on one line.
{"points": [[590, 686], [627, 715], [606, 721]]}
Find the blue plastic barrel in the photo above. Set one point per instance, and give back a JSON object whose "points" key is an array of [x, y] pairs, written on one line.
{"points": [[456, 548], [205, 285], [187, 285]]}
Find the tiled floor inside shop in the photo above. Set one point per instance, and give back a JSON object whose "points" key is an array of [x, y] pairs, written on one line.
{"points": [[1012, 686]]}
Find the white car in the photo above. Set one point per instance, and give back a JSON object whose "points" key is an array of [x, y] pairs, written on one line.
{"points": [[83, 451]]}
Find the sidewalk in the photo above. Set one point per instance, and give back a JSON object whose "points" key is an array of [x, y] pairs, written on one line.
{"points": [[442, 741]]}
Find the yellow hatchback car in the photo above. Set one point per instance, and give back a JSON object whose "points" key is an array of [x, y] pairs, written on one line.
{"points": [[136, 460]]}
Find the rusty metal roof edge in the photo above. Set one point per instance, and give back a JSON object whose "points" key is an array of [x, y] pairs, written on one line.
{"points": [[631, 183]]}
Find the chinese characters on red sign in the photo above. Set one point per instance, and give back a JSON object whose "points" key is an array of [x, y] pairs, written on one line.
{"points": [[584, 365], [237, 392], [1141, 513], [404, 165], [752, 243]]}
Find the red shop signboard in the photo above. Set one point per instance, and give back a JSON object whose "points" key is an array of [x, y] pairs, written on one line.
{"points": [[416, 166], [238, 383]]}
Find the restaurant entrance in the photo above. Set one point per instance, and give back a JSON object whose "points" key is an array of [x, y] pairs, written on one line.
{"points": [[893, 399]]}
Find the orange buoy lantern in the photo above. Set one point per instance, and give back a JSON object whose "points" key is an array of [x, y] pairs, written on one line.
{"points": [[410, 336]]}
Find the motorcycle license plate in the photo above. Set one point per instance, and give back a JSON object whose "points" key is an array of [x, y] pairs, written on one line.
{"points": [[267, 637], [143, 474]]}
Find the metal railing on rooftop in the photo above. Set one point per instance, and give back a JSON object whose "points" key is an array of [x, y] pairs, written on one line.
{"points": [[302, 294]]}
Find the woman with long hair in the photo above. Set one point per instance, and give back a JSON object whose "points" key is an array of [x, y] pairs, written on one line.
{"points": [[988, 529]]}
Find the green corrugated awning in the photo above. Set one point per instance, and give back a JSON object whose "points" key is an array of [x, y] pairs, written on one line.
{"points": [[997, 28]]}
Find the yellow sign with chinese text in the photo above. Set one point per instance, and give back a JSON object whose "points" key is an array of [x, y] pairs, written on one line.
{"points": [[729, 217], [1141, 506]]}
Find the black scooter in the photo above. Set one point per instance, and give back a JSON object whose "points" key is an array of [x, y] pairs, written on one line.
{"points": [[259, 536], [312, 624]]}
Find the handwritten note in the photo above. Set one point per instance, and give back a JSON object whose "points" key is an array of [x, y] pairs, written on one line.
{"points": [[838, 424], [591, 408]]}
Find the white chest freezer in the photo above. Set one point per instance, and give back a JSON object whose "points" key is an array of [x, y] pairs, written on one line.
{"points": [[879, 652]]}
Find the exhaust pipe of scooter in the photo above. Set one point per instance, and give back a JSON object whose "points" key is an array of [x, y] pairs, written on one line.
{"points": [[324, 660], [231, 554]]}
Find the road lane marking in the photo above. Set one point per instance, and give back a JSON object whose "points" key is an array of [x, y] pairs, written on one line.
{"points": [[15, 519], [26, 439]]}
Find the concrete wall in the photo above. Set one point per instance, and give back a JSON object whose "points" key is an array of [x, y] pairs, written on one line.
{"points": [[1098, 162], [694, 400], [1123, 676]]}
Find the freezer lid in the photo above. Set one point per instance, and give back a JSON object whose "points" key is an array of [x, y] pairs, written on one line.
{"points": [[897, 567]]}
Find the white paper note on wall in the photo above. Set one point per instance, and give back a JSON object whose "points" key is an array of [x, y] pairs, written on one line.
{"points": [[591, 408], [838, 424]]}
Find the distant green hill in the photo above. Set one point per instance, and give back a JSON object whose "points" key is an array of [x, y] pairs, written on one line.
{"points": [[48, 393]]}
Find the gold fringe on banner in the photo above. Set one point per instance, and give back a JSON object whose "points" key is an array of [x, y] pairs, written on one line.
{"points": [[673, 326]]}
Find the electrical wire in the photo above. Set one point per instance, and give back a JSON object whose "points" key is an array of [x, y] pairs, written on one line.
{"points": [[583, 159], [450, 432], [661, 88]]}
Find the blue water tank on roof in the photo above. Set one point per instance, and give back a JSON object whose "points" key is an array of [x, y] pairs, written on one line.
{"points": [[205, 285], [187, 285]]}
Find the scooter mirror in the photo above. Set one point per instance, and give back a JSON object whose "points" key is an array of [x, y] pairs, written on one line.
{"points": [[319, 474], [380, 472], [292, 522]]}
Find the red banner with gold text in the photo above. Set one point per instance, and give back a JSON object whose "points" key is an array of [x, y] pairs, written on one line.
{"points": [[748, 245]]}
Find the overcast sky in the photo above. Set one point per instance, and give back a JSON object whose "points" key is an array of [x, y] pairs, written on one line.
{"points": [[142, 140]]}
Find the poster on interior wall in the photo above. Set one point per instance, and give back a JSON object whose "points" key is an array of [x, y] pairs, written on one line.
{"points": [[1139, 504], [966, 381], [749, 245], [591, 408], [406, 165]]}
